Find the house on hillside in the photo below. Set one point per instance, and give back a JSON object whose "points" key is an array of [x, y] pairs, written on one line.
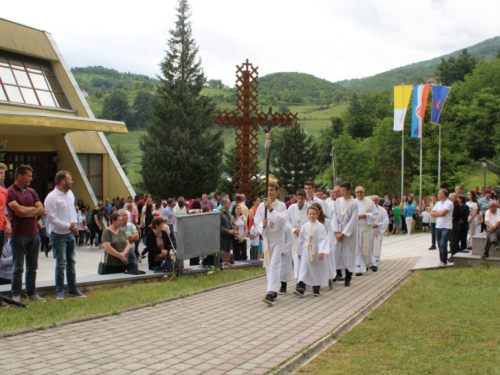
{"points": [[47, 123], [432, 81]]}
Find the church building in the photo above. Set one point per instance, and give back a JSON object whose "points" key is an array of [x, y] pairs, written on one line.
{"points": [[46, 122]]}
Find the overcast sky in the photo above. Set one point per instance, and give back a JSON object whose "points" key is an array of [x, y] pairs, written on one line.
{"points": [[331, 39]]}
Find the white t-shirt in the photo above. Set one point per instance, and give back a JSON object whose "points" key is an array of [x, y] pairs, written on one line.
{"points": [[492, 218], [255, 241], [81, 222], [444, 222], [426, 217], [177, 214], [472, 206]]}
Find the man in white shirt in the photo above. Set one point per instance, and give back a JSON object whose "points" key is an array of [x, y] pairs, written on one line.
{"points": [[443, 211], [63, 225], [492, 221]]}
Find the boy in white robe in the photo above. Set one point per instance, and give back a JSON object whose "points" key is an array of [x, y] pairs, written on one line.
{"points": [[312, 248], [377, 234], [345, 227], [297, 217], [272, 230], [286, 258], [367, 213]]}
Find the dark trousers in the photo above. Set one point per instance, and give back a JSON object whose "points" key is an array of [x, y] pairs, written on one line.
{"points": [[433, 234], [240, 250], [172, 236], [115, 269], [455, 235], [81, 237], [464, 228], [25, 248], [44, 240], [93, 231]]}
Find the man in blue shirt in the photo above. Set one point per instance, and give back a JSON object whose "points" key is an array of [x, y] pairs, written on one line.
{"points": [[168, 212], [107, 209]]}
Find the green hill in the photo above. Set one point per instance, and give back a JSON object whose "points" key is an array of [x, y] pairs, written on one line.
{"points": [[419, 72]]}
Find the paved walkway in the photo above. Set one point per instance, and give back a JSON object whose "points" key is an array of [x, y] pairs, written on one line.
{"points": [[228, 330]]}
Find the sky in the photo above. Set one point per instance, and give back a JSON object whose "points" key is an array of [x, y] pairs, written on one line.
{"points": [[334, 40]]}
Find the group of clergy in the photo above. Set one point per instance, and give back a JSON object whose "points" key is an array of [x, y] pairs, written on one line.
{"points": [[326, 241]]}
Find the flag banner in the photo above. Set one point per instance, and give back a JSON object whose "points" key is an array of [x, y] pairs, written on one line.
{"points": [[420, 95], [401, 99], [439, 95]]}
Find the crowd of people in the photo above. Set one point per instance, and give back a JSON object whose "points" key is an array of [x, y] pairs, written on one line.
{"points": [[315, 240]]}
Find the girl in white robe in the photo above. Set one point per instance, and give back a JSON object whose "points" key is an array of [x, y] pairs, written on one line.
{"points": [[312, 247], [330, 258]]}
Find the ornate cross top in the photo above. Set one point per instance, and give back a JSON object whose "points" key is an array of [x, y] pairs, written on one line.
{"points": [[247, 117]]}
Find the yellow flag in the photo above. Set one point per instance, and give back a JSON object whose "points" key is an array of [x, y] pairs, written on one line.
{"points": [[401, 99]]}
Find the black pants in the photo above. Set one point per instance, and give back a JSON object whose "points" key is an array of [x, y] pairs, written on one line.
{"points": [[93, 230], [5, 281], [115, 269], [454, 238], [240, 250], [464, 228], [44, 240]]}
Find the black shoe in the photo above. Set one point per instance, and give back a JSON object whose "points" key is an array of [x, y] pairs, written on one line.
{"points": [[485, 255], [275, 295], [268, 299], [283, 288], [359, 274], [432, 248], [374, 268], [316, 292], [299, 292], [347, 282], [450, 260]]}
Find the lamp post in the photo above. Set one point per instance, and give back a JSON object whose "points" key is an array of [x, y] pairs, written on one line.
{"points": [[483, 162]]}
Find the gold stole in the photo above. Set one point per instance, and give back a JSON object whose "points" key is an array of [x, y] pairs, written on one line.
{"points": [[343, 211], [300, 214], [311, 231], [366, 232], [267, 246]]}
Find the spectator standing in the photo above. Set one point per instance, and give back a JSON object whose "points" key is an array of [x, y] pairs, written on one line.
{"points": [[443, 211], [121, 203], [168, 212], [5, 227], [455, 227], [44, 236], [157, 244], [396, 219], [252, 211], [24, 206], [133, 237], [288, 203], [473, 215], [82, 226], [180, 212], [492, 222], [433, 222], [227, 231], [107, 210], [464, 222], [63, 224], [239, 241], [96, 226], [206, 203], [483, 205], [254, 242], [116, 245], [426, 218], [6, 265]]}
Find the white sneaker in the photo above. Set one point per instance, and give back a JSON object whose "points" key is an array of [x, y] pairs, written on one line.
{"points": [[16, 298], [36, 298], [442, 264]]}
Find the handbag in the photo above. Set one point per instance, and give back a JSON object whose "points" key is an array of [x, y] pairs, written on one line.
{"points": [[226, 257], [102, 269]]}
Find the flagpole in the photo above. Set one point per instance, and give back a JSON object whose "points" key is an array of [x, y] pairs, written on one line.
{"points": [[421, 147], [402, 161], [439, 159]]}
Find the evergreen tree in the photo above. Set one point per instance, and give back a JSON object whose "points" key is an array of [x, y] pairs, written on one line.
{"points": [[293, 158], [115, 106], [453, 70], [180, 154]]}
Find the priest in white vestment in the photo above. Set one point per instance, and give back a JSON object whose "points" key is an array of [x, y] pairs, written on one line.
{"points": [[367, 214], [345, 227], [377, 234]]}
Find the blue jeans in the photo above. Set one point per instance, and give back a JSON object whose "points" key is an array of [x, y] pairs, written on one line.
{"points": [[433, 234], [442, 238], [25, 247], [172, 236], [63, 246]]}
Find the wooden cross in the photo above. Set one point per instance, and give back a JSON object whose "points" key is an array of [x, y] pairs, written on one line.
{"points": [[247, 118]]}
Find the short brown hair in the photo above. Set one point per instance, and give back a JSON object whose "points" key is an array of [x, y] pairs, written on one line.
{"points": [[301, 192], [309, 183], [274, 185], [61, 175], [346, 185], [22, 170], [157, 221]]}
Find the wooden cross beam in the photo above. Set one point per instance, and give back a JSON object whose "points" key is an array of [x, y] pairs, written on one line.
{"points": [[246, 118]]}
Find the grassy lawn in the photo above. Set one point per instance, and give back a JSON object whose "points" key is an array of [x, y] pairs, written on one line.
{"points": [[439, 322], [112, 301]]}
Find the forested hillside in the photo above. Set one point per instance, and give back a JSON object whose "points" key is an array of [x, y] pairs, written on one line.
{"points": [[421, 71]]}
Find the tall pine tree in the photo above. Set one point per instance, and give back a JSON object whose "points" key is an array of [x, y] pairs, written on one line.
{"points": [[180, 154], [294, 158]]}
